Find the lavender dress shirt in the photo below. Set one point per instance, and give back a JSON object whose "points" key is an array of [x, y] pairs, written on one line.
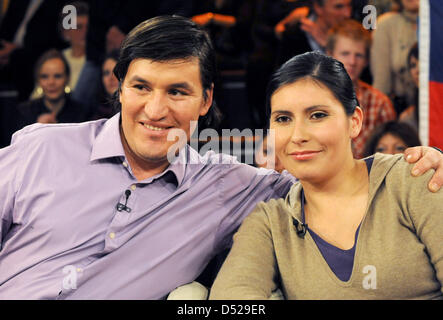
{"points": [[63, 238]]}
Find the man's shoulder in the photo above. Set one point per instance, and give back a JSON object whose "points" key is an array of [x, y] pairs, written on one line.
{"points": [[56, 132]]}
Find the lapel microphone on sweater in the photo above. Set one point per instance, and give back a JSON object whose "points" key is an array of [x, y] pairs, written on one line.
{"points": [[300, 228], [120, 206]]}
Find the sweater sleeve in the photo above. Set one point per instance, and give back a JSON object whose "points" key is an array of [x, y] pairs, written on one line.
{"points": [[250, 270], [426, 213]]}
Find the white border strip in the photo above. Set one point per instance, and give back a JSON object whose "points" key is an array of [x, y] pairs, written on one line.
{"points": [[424, 62]]}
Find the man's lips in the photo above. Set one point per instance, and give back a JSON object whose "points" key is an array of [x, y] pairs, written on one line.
{"points": [[155, 127]]}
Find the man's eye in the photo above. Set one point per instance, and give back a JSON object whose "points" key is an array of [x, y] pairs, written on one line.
{"points": [[176, 92], [139, 87]]}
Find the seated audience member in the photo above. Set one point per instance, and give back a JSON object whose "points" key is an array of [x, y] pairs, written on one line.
{"points": [[392, 137], [349, 43], [29, 28], [105, 105], [55, 106], [410, 115], [395, 34], [310, 33], [75, 54], [349, 228]]}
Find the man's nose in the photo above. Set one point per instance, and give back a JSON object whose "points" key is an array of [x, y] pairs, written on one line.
{"points": [[156, 106]]}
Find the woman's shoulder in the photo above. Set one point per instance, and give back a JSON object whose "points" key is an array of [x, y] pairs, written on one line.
{"points": [[278, 208]]}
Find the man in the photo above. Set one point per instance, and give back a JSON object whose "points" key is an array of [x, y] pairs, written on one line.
{"points": [[299, 35], [349, 43], [96, 211]]}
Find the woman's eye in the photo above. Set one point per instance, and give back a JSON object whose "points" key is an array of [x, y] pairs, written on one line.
{"points": [[380, 149], [318, 115], [282, 119], [400, 148]]}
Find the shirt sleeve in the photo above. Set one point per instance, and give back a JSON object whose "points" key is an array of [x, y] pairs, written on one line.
{"points": [[250, 270], [9, 165], [242, 187]]}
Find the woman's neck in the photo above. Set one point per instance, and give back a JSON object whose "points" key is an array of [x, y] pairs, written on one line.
{"points": [[349, 182]]}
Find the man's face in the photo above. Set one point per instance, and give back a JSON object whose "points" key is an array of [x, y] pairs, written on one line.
{"points": [[334, 11], [157, 97], [352, 53]]}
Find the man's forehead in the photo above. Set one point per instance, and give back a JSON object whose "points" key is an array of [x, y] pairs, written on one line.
{"points": [[175, 67], [338, 3]]}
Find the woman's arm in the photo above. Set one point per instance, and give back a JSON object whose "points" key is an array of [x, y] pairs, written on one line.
{"points": [[250, 270]]}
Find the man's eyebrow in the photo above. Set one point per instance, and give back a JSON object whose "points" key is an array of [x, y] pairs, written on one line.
{"points": [[183, 85]]}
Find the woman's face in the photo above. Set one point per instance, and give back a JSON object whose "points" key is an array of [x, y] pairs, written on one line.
{"points": [[52, 79], [411, 5], [110, 81], [312, 131], [413, 69], [390, 144]]}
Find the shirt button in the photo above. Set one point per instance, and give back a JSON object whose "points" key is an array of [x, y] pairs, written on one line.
{"points": [[112, 235], [133, 187], [125, 164], [79, 269]]}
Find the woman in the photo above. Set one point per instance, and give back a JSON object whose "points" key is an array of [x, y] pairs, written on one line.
{"points": [[392, 137], [109, 85], [410, 114], [349, 229], [396, 32], [55, 106]]}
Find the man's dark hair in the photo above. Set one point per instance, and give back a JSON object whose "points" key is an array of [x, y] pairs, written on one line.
{"points": [[319, 68], [166, 38]]}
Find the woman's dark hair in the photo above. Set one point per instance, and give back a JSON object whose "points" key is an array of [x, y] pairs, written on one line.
{"points": [[165, 38], [413, 52], [319, 68], [49, 55], [402, 130]]}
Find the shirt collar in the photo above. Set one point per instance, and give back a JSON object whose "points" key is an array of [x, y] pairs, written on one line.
{"points": [[108, 144]]}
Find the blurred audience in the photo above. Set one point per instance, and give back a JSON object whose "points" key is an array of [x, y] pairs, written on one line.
{"points": [[55, 106], [310, 33], [29, 28], [392, 137], [75, 54], [104, 108], [350, 43], [229, 24], [395, 34], [410, 114]]}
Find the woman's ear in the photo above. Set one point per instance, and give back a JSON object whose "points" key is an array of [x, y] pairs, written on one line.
{"points": [[356, 121]]}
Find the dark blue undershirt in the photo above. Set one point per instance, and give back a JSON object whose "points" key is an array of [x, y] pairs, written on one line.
{"points": [[340, 261]]}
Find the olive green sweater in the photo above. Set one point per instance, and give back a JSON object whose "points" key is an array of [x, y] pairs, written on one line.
{"points": [[399, 249]]}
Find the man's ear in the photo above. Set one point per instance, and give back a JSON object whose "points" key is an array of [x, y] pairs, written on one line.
{"points": [[356, 122], [207, 101]]}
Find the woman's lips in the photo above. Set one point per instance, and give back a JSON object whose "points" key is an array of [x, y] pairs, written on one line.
{"points": [[304, 155]]}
